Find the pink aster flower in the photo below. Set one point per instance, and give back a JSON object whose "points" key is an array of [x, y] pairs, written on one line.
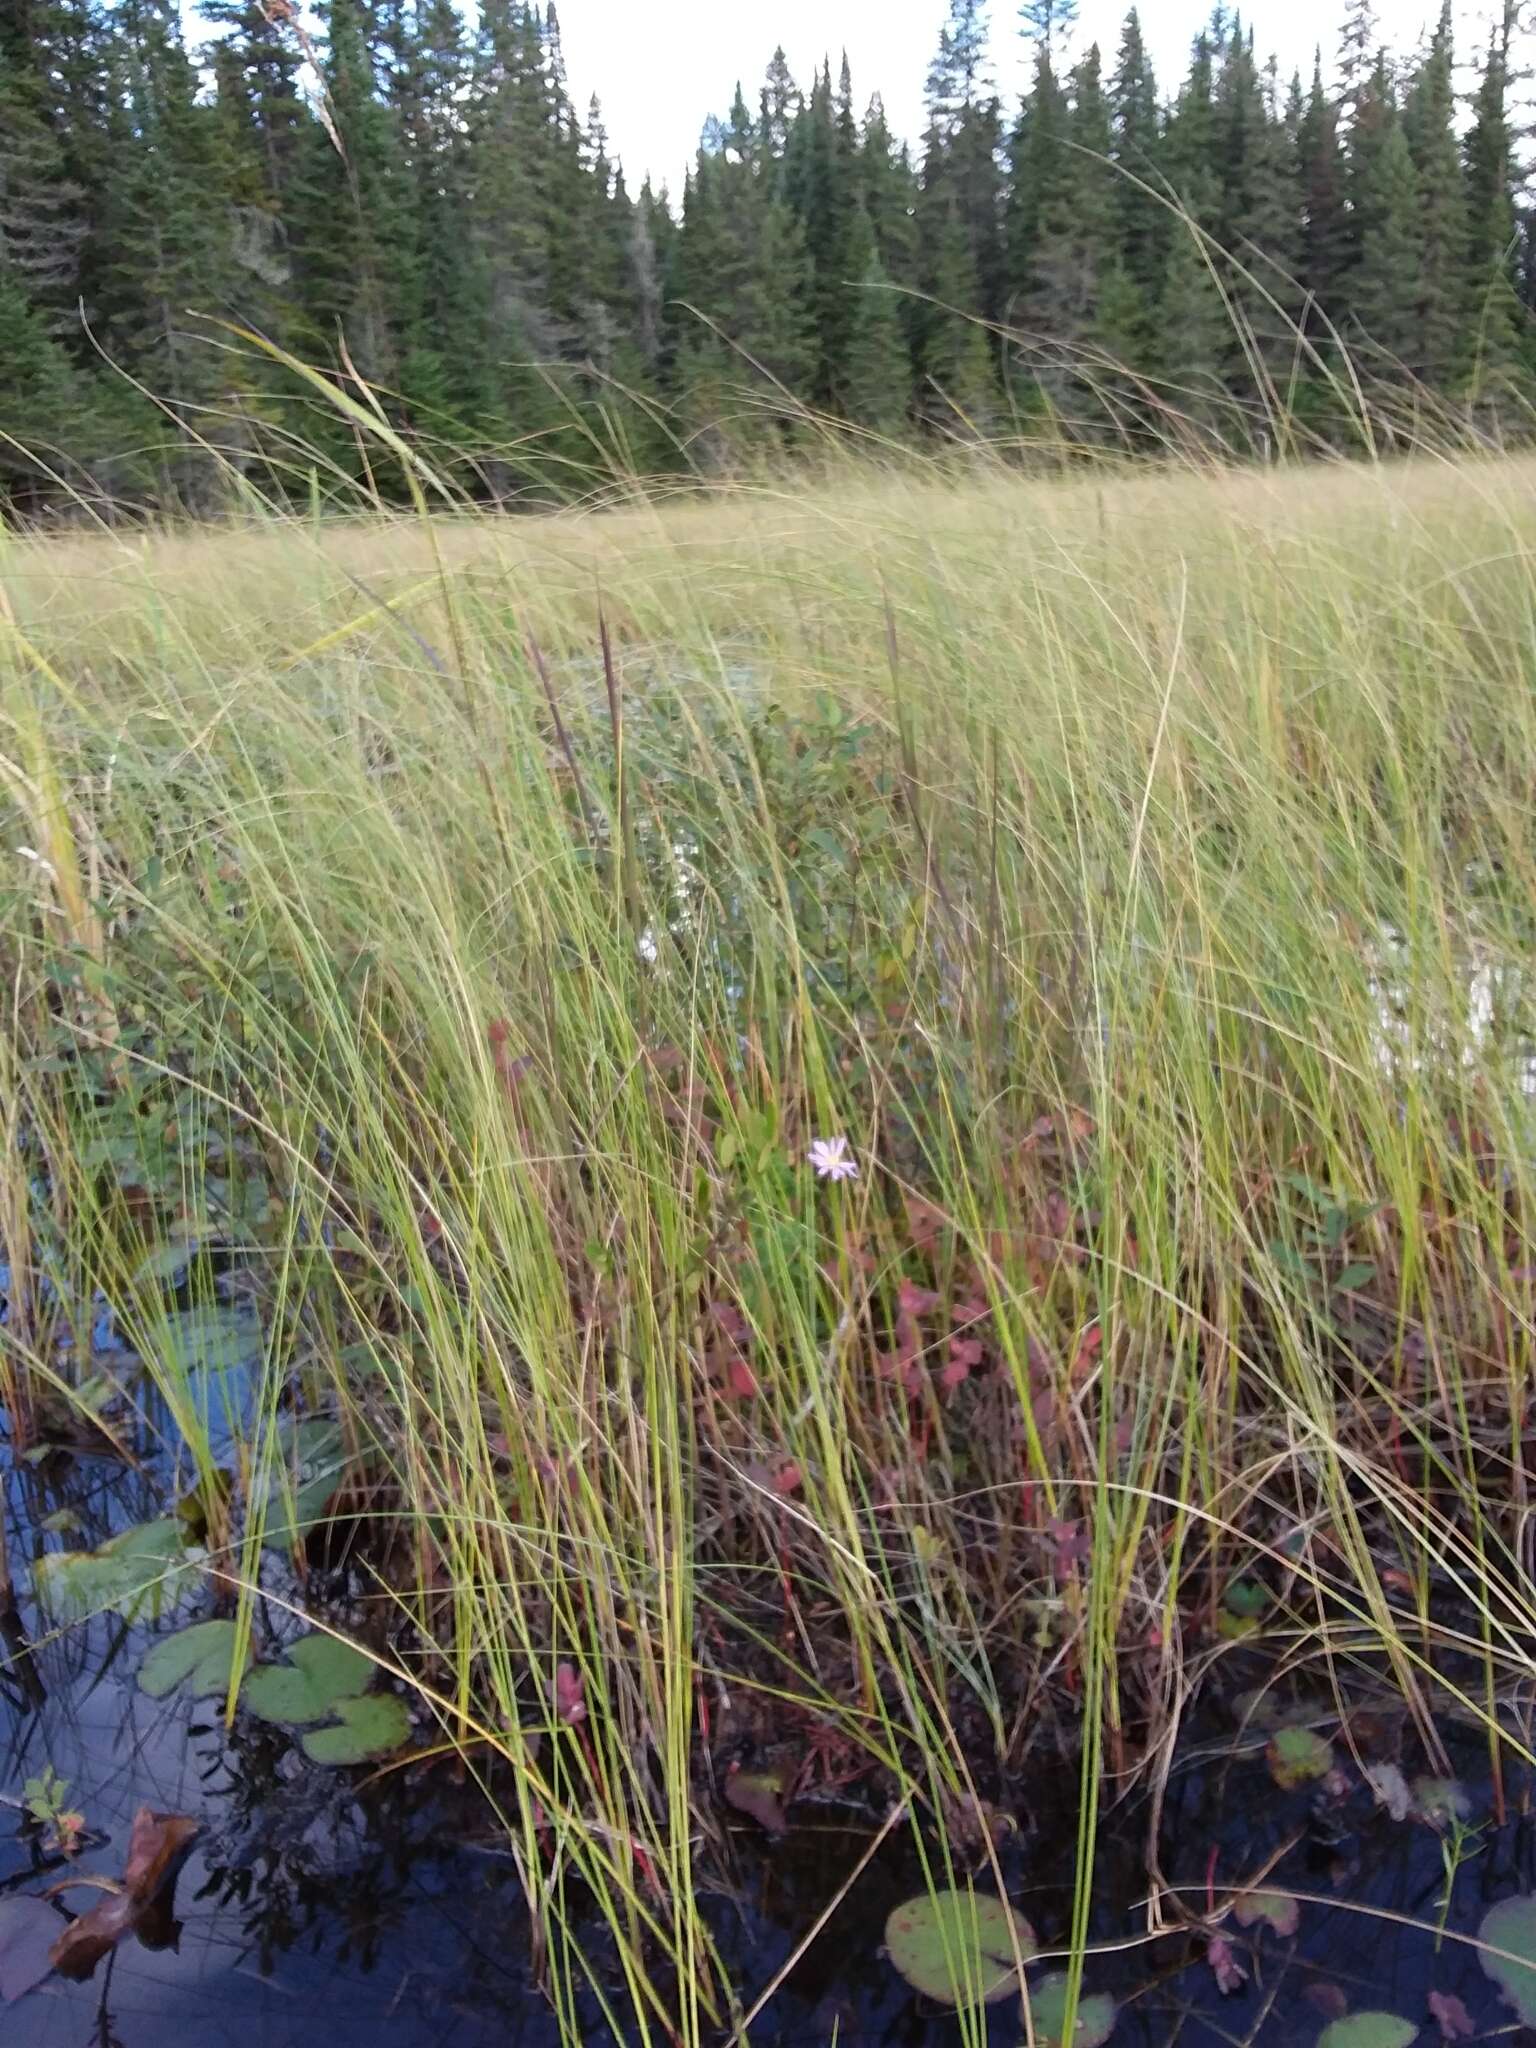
{"points": [[832, 1159]]}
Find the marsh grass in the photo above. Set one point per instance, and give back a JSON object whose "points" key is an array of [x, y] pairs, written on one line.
{"points": [[1111, 861]]}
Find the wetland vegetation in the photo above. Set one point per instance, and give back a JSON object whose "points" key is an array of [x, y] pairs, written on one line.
{"points": [[844, 1168]]}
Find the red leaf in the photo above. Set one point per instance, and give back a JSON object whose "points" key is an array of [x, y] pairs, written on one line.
{"points": [[1451, 2016], [1327, 1999], [925, 1220], [740, 1380], [786, 1479], [1228, 1971], [1073, 1546], [913, 1300], [570, 1695], [729, 1321]]}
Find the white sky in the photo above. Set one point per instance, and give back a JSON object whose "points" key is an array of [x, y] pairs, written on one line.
{"points": [[660, 68]]}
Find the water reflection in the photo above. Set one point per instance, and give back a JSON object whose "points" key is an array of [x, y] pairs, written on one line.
{"points": [[320, 1906]]}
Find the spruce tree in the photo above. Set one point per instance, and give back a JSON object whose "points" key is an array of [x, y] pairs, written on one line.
{"points": [[1140, 217], [1493, 362], [1429, 121], [1384, 285], [876, 390]]}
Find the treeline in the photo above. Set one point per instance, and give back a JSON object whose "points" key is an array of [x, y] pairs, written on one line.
{"points": [[413, 203]]}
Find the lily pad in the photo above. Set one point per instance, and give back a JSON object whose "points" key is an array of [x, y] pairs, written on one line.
{"points": [[1268, 1909], [139, 1573], [959, 1948], [1369, 2030], [321, 1672], [1297, 1756], [200, 1657], [1048, 2014], [368, 1727], [1512, 1926]]}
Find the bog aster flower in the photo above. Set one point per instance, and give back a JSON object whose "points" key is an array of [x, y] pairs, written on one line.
{"points": [[832, 1159]]}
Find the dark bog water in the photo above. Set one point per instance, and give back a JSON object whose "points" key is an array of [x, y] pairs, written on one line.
{"points": [[340, 1906]]}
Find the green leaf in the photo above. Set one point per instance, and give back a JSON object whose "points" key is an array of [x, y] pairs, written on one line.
{"points": [[1512, 1926], [1440, 1801], [368, 1727], [1297, 1756], [1268, 1909], [1360, 1274], [140, 1574], [1369, 2030], [1288, 1259], [293, 1500], [1247, 1598], [279, 1693], [200, 1657], [1048, 2014], [336, 1670], [959, 1948], [321, 1673], [203, 1340]]}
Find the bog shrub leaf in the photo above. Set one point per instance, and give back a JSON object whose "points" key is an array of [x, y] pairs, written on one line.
{"points": [[1268, 1909], [1297, 1756], [959, 1948]]}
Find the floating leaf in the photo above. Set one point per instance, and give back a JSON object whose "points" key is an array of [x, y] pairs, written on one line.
{"points": [[1440, 1801], [1048, 2015], [28, 1929], [1297, 1756], [1268, 1909], [1512, 1926], [1369, 2030], [321, 1672], [200, 1657], [959, 1948], [140, 1573], [373, 1726]]}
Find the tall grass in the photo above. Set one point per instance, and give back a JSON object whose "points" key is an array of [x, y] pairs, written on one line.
{"points": [[1138, 872]]}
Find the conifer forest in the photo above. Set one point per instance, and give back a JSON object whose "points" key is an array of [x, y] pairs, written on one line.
{"points": [[406, 198]]}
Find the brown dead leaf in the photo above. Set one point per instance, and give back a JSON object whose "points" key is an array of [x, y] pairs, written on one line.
{"points": [[157, 1847]]}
